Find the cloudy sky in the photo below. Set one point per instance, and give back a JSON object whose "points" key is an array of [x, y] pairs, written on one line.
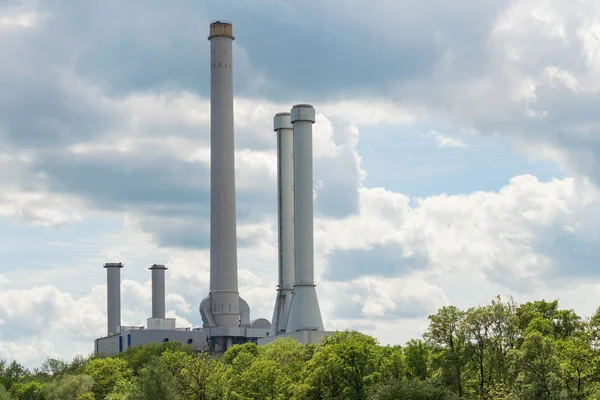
{"points": [[457, 157]]}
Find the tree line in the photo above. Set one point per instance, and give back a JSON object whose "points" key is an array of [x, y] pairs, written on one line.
{"points": [[500, 351]]}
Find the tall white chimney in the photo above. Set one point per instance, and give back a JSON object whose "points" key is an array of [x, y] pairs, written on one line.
{"points": [[221, 309], [285, 199], [223, 241], [158, 290], [113, 297], [305, 313]]}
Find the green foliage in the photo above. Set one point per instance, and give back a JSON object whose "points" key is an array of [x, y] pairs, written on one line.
{"points": [[106, 373], [138, 356], [86, 396], [578, 367], [449, 339], [345, 366], [498, 351], [392, 363], [412, 389], [193, 376], [417, 356], [69, 387], [3, 393], [32, 390], [11, 372], [153, 382], [123, 390]]}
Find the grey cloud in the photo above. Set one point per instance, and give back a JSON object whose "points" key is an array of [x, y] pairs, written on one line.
{"points": [[171, 197], [338, 195], [347, 310], [332, 53], [407, 307], [135, 46], [42, 112], [110, 179], [382, 260], [338, 178], [356, 49], [183, 232], [575, 256]]}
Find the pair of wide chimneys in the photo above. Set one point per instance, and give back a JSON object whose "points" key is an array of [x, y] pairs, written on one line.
{"points": [[113, 295], [296, 304]]}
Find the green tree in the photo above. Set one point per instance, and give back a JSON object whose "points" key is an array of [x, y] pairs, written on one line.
{"points": [[11, 373], [478, 324], [528, 311], [275, 371], [566, 323], [106, 372], [344, 366], [504, 337], [138, 356], [236, 360], [538, 367], [32, 390], [446, 333], [577, 366], [593, 329], [289, 358], [392, 363], [123, 390], [3, 393], [417, 357], [563, 323], [192, 374], [412, 389], [541, 325], [55, 367], [154, 382], [69, 387]]}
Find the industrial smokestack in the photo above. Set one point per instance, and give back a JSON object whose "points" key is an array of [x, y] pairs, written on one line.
{"points": [[113, 297], [305, 313], [158, 290], [285, 199], [222, 306]]}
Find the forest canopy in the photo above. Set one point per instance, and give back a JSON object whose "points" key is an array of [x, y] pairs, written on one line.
{"points": [[500, 351]]}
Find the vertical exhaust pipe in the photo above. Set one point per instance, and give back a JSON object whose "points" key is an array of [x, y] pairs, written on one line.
{"points": [[305, 313], [285, 199], [158, 290], [113, 297]]}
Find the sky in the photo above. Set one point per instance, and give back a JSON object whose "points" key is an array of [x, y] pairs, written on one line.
{"points": [[456, 158]]}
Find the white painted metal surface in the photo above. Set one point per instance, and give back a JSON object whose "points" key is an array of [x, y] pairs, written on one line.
{"points": [[158, 290], [285, 199], [161, 323], [224, 302], [113, 297], [305, 313]]}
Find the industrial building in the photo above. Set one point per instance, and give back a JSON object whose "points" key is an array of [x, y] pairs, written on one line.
{"points": [[158, 328], [225, 315]]}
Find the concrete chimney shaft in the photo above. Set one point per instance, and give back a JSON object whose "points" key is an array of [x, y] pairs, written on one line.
{"points": [[285, 199], [224, 295], [305, 313], [158, 290], [113, 297]]}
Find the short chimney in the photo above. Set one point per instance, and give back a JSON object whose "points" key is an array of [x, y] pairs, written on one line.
{"points": [[158, 290], [113, 297]]}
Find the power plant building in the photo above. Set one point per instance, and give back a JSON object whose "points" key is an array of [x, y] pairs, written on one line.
{"points": [[158, 328], [225, 315]]}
